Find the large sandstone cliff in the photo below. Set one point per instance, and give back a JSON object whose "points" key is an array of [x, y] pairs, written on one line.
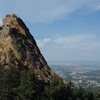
{"points": [[19, 49]]}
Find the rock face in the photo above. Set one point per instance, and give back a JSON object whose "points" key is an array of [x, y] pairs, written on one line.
{"points": [[18, 48]]}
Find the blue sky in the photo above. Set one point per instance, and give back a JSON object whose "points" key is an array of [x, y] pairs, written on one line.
{"points": [[65, 30]]}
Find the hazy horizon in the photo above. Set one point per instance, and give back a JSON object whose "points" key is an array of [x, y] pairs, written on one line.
{"points": [[74, 62]]}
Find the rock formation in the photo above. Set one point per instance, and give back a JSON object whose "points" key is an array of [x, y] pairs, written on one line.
{"points": [[19, 49]]}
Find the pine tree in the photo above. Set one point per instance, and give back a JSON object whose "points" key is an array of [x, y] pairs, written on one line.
{"points": [[27, 87], [91, 96], [9, 80], [82, 93]]}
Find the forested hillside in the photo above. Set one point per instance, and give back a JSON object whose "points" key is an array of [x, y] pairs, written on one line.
{"points": [[16, 84]]}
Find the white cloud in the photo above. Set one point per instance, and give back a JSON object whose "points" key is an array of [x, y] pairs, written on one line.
{"points": [[91, 45], [0, 22], [75, 40], [71, 42], [71, 39], [45, 11], [75, 47], [43, 42]]}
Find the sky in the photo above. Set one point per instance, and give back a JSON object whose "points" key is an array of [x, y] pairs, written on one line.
{"points": [[65, 30]]}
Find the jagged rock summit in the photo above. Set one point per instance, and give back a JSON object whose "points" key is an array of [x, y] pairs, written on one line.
{"points": [[19, 49]]}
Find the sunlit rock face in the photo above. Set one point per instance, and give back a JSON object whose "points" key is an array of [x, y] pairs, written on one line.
{"points": [[18, 48]]}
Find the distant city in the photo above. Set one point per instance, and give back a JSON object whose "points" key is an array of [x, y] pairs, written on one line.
{"points": [[86, 74]]}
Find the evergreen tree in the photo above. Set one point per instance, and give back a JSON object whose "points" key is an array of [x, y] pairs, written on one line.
{"points": [[9, 80], [27, 88], [18, 84], [90, 96], [81, 93]]}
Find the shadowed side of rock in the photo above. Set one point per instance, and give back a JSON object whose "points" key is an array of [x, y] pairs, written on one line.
{"points": [[19, 48]]}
